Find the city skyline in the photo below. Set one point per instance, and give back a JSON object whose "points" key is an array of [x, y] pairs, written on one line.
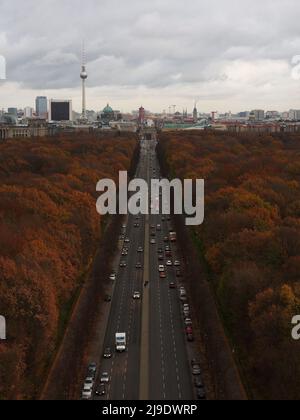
{"points": [[161, 54]]}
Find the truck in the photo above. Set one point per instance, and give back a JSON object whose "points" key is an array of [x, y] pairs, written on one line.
{"points": [[120, 342], [173, 237]]}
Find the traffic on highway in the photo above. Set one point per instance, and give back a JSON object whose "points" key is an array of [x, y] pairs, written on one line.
{"points": [[149, 349]]}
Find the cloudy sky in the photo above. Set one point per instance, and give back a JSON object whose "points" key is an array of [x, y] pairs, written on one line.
{"points": [[230, 55]]}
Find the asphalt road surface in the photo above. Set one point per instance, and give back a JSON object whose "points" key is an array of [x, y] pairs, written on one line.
{"points": [[155, 365]]}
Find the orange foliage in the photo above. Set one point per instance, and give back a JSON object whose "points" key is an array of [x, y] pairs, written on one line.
{"points": [[49, 230], [251, 242]]}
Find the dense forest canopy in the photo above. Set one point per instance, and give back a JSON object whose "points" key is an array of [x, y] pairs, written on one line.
{"points": [[49, 231], [251, 242]]}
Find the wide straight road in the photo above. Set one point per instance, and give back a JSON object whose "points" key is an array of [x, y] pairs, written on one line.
{"points": [[155, 365]]}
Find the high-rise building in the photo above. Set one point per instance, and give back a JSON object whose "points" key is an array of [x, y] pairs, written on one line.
{"points": [[13, 111], [258, 114], [60, 110], [41, 107], [28, 112], [294, 114]]}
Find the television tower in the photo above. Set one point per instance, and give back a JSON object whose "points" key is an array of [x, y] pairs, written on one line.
{"points": [[83, 76]]}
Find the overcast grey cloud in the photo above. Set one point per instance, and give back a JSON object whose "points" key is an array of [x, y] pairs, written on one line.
{"points": [[230, 54]]}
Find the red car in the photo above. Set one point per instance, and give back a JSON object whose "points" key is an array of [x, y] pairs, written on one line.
{"points": [[163, 275], [189, 330]]}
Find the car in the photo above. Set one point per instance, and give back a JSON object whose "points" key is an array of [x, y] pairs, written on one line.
{"points": [[92, 369], [196, 369], [107, 299], [198, 382], [153, 242], [201, 394], [172, 285], [161, 268], [161, 258], [190, 338], [101, 390], [127, 240], [186, 314], [152, 226], [160, 251], [163, 275], [138, 266], [136, 225], [113, 277], [169, 263], [86, 394], [189, 330], [136, 295], [123, 264], [168, 254], [107, 354], [186, 306], [124, 226], [166, 239], [188, 322], [104, 379], [167, 248], [140, 249], [178, 273], [177, 263], [88, 383]]}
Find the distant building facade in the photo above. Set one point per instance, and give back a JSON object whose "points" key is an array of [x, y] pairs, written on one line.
{"points": [[108, 115], [13, 111], [142, 115], [60, 110], [41, 106]]}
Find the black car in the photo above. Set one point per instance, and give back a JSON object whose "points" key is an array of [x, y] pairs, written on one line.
{"points": [[201, 394], [101, 390], [107, 299], [198, 382], [92, 369], [107, 353]]}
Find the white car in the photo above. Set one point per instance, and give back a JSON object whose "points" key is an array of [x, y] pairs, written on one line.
{"points": [[113, 277], [153, 242], [161, 268], [86, 394], [88, 384], [169, 263], [104, 378], [136, 295], [177, 263]]}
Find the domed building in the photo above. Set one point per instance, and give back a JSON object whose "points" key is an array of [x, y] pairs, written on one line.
{"points": [[108, 115]]}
